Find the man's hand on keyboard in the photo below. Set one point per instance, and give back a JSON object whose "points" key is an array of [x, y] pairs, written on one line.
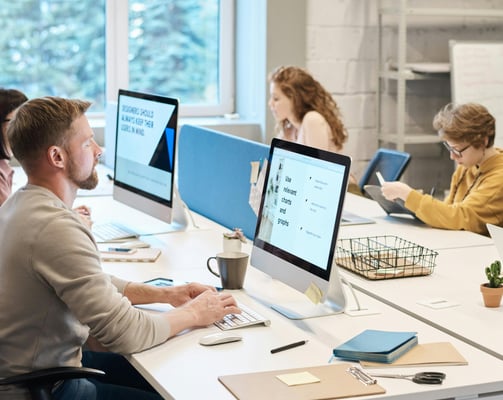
{"points": [[210, 306], [181, 294]]}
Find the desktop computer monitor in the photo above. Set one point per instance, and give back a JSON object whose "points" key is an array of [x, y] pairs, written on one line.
{"points": [[145, 143], [297, 225]]}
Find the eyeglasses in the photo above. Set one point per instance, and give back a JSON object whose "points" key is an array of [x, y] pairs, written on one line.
{"points": [[456, 152]]}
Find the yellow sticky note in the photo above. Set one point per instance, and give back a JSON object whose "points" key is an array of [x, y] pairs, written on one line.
{"points": [[298, 378], [314, 293]]}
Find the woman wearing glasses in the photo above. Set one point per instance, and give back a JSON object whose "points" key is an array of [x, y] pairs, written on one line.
{"points": [[476, 192], [10, 99]]}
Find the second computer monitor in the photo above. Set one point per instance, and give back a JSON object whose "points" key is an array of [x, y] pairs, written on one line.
{"points": [[145, 152], [298, 222]]}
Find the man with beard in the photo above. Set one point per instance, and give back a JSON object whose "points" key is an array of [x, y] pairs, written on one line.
{"points": [[53, 292]]}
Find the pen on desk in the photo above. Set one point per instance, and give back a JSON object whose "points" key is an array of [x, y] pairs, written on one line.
{"points": [[110, 177], [380, 178], [288, 346], [120, 249]]}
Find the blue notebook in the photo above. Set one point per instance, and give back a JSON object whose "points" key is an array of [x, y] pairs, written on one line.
{"points": [[377, 346]]}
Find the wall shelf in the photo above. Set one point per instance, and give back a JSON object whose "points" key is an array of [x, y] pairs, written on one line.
{"points": [[402, 72]]}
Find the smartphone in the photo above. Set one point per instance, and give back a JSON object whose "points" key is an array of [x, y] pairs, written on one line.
{"points": [[160, 282]]}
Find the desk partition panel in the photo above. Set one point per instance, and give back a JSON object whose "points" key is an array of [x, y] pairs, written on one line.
{"points": [[214, 170]]}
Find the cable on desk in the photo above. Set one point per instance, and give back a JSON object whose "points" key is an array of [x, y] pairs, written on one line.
{"points": [[187, 209], [359, 308]]}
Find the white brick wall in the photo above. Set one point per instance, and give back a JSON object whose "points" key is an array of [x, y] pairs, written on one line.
{"points": [[342, 52]]}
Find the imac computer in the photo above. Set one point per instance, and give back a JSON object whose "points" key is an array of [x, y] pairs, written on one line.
{"points": [[297, 225], [144, 164]]}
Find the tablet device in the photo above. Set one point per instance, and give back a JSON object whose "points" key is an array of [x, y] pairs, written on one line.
{"points": [[393, 208]]}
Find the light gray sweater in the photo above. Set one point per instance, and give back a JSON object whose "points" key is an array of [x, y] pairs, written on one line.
{"points": [[53, 291]]}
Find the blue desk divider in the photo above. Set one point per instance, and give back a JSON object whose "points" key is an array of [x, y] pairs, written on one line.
{"points": [[214, 175]]}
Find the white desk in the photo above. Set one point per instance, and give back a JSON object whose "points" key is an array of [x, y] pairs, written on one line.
{"points": [[182, 369], [405, 228], [456, 278]]}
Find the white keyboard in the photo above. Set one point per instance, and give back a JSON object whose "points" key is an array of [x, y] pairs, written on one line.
{"points": [[247, 317], [109, 232]]}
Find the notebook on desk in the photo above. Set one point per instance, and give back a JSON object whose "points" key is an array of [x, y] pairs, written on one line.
{"points": [[149, 254]]}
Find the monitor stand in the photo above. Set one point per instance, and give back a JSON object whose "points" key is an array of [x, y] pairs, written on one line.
{"points": [[180, 221], [335, 302], [179, 218], [145, 225], [306, 309]]}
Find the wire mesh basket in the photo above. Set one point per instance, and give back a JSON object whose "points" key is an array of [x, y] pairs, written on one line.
{"points": [[384, 257]]}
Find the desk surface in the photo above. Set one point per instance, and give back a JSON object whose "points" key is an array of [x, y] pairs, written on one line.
{"points": [[456, 280], [165, 366], [458, 273], [405, 228], [182, 369]]}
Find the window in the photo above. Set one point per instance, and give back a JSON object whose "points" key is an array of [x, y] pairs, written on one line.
{"points": [[91, 48], [54, 48]]}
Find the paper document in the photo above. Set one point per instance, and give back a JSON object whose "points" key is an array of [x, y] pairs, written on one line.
{"points": [[299, 378], [441, 353], [256, 188]]}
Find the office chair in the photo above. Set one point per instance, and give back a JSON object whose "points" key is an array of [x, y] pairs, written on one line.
{"points": [[41, 382], [390, 163]]}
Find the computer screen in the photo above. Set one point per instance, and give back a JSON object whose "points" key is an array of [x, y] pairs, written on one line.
{"points": [[298, 222], [145, 145]]}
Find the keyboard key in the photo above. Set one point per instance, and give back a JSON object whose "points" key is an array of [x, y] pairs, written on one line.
{"points": [[248, 317]]}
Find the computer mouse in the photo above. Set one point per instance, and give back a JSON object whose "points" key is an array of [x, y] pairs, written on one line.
{"points": [[219, 338]]}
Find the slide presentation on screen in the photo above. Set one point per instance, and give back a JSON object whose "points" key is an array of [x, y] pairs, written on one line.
{"points": [[145, 145], [300, 207]]}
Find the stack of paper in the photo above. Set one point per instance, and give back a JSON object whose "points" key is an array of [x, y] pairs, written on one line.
{"points": [[378, 346]]}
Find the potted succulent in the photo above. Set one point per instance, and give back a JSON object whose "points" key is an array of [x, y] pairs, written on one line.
{"points": [[492, 290]]}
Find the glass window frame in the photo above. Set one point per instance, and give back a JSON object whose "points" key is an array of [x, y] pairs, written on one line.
{"points": [[117, 69]]}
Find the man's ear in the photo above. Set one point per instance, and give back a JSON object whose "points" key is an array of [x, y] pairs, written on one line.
{"points": [[56, 156]]}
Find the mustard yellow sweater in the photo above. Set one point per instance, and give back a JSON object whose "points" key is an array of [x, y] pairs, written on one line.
{"points": [[475, 198]]}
